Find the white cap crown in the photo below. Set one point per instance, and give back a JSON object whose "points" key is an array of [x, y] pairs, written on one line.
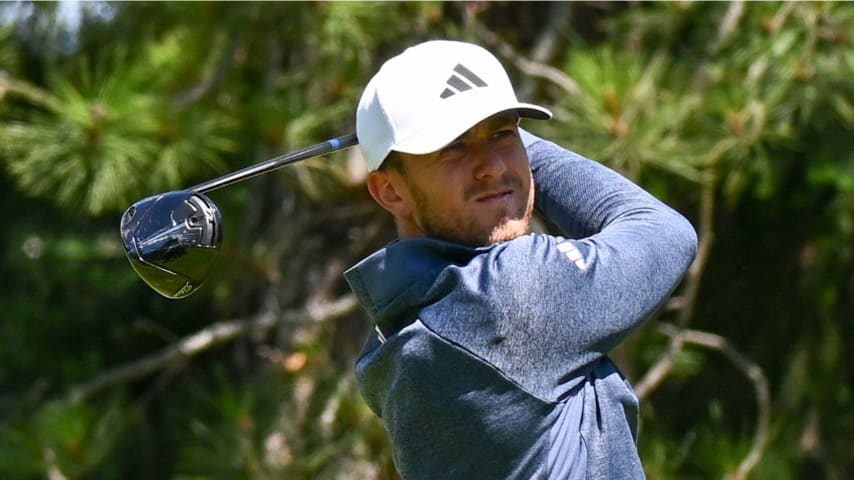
{"points": [[424, 98]]}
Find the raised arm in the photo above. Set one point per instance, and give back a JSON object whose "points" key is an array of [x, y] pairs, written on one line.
{"points": [[570, 299]]}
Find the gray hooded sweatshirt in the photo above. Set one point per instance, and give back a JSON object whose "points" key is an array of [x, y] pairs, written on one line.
{"points": [[491, 362]]}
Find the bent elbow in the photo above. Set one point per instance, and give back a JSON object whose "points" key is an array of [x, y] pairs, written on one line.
{"points": [[684, 238]]}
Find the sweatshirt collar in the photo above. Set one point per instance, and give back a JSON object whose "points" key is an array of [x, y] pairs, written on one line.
{"points": [[401, 275]]}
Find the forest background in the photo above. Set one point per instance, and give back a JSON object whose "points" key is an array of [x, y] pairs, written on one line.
{"points": [[739, 114]]}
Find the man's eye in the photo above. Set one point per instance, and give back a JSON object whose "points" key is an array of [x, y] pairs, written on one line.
{"points": [[452, 152], [454, 147], [504, 132]]}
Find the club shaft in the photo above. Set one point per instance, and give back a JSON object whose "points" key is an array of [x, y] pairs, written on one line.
{"points": [[329, 146]]}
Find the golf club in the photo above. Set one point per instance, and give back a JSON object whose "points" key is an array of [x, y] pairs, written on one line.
{"points": [[172, 239]]}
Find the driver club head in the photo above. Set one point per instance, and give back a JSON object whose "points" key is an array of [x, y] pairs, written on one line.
{"points": [[172, 240]]}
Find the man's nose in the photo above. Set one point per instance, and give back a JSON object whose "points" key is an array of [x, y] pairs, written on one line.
{"points": [[489, 163]]}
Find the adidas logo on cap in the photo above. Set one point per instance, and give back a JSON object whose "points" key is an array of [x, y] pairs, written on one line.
{"points": [[459, 83]]}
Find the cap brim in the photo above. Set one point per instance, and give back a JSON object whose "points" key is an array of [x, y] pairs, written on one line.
{"points": [[441, 132]]}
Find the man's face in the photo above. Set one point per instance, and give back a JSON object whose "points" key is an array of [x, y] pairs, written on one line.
{"points": [[478, 190]]}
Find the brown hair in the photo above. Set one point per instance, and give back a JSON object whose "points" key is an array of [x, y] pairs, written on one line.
{"points": [[393, 162]]}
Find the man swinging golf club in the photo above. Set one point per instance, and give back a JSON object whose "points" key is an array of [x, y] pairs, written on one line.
{"points": [[490, 354]]}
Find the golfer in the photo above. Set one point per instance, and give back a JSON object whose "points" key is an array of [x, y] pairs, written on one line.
{"points": [[490, 356]]}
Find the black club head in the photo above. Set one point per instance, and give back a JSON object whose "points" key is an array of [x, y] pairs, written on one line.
{"points": [[172, 240]]}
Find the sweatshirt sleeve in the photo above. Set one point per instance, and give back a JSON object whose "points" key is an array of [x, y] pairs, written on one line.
{"points": [[637, 240], [583, 198], [567, 300]]}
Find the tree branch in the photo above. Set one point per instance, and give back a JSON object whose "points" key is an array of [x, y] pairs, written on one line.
{"points": [[53, 472], [530, 67], [729, 24], [209, 337], [687, 301], [212, 76], [26, 90], [752, 371]]}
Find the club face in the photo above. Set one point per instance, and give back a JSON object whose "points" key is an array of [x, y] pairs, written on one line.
{"points": [[172, 240]]}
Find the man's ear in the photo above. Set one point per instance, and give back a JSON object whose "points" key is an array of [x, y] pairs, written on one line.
{"points": [[389, 190]]}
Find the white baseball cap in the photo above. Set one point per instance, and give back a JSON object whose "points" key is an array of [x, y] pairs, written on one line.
{"points": [[427, 96]]}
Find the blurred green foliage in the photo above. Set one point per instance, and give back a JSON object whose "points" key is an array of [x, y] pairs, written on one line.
{"points": [[739, 114]]}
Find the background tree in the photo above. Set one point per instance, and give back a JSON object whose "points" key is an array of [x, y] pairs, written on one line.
{"points": [[738, 114]]}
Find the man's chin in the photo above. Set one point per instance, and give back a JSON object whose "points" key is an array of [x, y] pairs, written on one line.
{"points": [[508, 230]]}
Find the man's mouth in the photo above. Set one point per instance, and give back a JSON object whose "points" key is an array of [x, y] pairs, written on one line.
{"points": [[494, 195]]}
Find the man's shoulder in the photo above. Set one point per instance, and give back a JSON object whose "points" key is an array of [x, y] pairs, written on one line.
{"points": [[528, 138]]}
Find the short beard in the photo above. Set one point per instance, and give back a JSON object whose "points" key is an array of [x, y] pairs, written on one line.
{"points": [[433, 225], [509, 228]]}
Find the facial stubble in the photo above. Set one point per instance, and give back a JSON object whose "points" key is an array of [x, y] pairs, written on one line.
{"points": [[436, 222]]}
